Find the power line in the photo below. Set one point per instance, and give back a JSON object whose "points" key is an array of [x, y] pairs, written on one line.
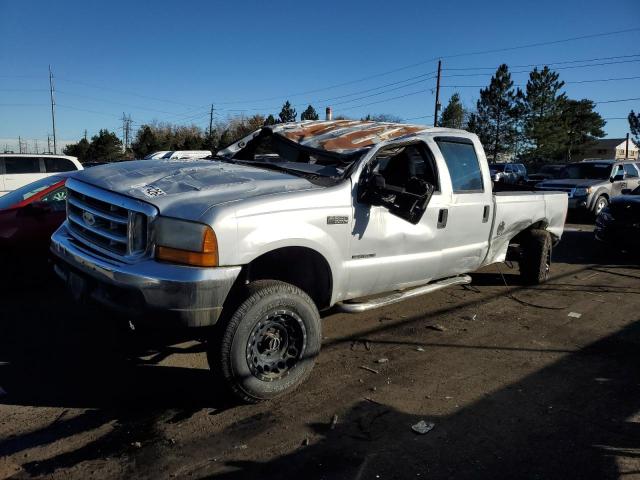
{"points": [[528, 71], [567, 82], [551, 63], [434, 59], [618, 100]]}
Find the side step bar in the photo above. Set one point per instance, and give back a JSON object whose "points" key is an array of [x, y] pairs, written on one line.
{"points": [[355, 307]]}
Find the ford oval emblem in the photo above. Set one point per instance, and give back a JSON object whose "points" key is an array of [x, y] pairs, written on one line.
{"points": [[88, 218]]}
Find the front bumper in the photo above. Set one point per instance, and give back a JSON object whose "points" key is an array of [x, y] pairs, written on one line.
{"points": [[579, 203], [194, 295]]}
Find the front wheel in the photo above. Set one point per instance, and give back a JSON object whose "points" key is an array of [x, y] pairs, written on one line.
{"points": [[268, 345], [535, 257], [601, 204]]}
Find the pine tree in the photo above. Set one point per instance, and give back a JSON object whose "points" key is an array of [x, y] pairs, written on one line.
{"points": [[288, 113], [78, 150], [270, 120], [104, 147], [544, 103], [495, 119], [634, 125], [309, 114], [453, 114], [582, 125]]}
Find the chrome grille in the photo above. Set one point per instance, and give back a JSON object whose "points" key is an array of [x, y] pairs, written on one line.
{"points": [[112, 224]]}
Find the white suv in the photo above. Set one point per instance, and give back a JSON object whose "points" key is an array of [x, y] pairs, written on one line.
{"points": [[18, 169]]}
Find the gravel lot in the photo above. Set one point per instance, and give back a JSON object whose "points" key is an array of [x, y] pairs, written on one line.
{"points": [[516, 387]]}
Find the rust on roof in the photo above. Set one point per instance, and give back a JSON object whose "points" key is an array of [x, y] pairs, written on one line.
{"points": [[344, 136]]}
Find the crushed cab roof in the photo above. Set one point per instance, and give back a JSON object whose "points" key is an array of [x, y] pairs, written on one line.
{"points": [[344, 136]]}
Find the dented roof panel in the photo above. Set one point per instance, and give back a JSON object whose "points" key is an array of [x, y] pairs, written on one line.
{"points": [[344, 136]]}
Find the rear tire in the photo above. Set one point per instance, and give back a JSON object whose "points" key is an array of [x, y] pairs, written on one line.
{"points": [[535, 257], [268, 344]]}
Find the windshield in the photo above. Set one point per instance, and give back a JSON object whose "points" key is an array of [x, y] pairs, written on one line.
{"points": [[27, 191], [590, 171], [276, 152]]}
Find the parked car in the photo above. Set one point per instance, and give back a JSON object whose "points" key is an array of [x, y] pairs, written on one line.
{"points": [[156, 155], [18, 169], [255, 247], [185, 154], [509, 173], [619, 223], [546, 172], [28, 217], [592, 184]]}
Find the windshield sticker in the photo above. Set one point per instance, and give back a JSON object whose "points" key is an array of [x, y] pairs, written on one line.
{"points": [[152, 191]]}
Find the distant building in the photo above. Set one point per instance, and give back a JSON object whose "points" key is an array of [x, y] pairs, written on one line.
{"points": [[609, 148]]}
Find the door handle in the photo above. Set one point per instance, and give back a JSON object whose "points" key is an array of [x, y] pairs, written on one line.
{"points": [[485, 214], [443, 214]]}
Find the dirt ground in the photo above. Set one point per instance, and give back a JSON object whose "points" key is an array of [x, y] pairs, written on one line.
{"points": [[516, 388]]}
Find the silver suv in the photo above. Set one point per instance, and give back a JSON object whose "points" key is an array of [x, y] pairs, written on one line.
{"points": [[593, 183]]}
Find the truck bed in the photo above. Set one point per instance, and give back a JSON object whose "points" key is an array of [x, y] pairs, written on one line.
{"points": [[516, 211]]}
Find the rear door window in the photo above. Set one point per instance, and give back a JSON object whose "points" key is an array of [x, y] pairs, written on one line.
{"points": [[14, 165], [54, 164], [462, 162]]}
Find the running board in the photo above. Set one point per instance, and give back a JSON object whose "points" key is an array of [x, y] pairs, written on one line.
{"points": [[356, 307]]}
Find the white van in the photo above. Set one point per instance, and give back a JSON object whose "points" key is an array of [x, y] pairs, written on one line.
{"points": [[178, 154], [18, 169]]}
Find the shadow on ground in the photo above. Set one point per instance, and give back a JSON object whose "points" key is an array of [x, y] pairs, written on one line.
{"points": [[565, 421], [560, 421]]}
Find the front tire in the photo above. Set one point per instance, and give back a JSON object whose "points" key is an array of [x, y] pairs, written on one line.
{"points": [[601, 204], [268, 345], [535, 257]]}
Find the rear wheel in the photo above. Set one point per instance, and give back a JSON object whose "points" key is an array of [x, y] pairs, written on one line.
{"points": [[535, 257], [268, 345]]}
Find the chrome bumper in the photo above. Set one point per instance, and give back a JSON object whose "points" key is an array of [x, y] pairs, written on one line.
{"points": [[194, 295]]}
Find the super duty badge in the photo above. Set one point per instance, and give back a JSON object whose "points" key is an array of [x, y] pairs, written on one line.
{"points": [[337, 220]]}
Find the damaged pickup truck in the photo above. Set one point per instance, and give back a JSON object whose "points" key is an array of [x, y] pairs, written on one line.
{"points": [[294, 219]]}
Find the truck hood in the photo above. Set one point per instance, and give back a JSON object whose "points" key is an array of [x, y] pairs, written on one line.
{"points": [[571, 183], [188, 188]]}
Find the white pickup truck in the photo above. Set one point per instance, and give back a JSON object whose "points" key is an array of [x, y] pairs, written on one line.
{"points": [[290, 220]]}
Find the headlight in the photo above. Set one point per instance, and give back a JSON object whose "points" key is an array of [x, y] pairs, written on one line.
{"points": [[581, 191], [188, 243]]}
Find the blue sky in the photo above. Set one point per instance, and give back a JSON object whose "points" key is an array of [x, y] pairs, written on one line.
{"points": [[169, 60]]}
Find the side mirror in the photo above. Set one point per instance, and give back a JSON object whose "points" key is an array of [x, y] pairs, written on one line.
{"points": [[619, 177], [626, 191], [378, 182]]}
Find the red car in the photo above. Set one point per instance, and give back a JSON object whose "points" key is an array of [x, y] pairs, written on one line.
{"points": [[28, 217]]}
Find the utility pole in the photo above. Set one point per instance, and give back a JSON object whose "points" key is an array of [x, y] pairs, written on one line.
{"points": [[211, 120], [126, 130], [626, 148], [435, 115], [48, 143], [19, 144], [35, 142], [53, 111]]}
